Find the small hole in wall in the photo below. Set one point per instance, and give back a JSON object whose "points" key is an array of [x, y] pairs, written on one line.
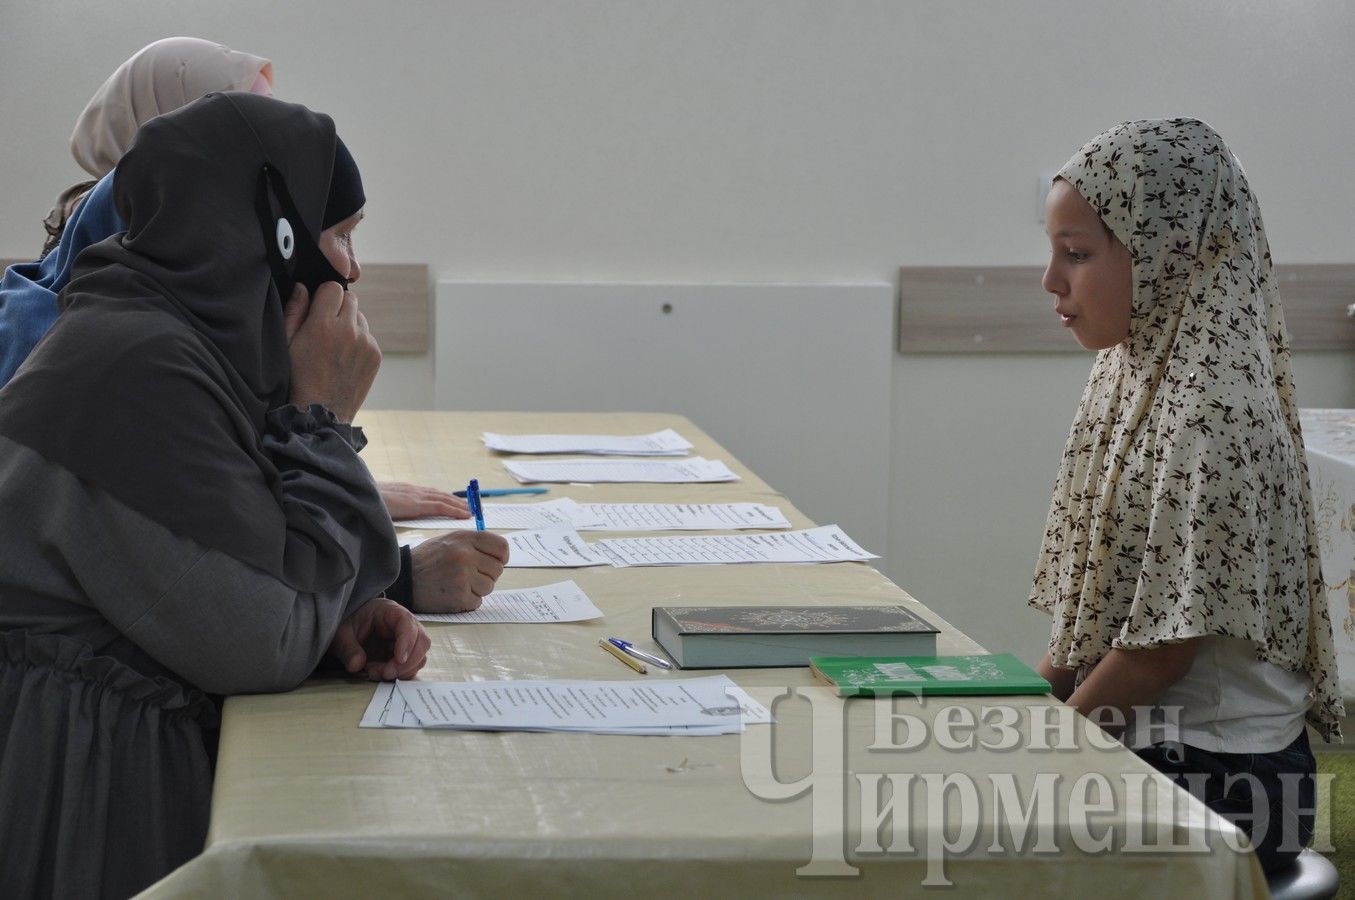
{"points": [[666, 308]]}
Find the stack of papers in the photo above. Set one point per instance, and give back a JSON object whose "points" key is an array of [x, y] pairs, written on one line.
{"points": [[508, 516], [615, 516], [677, 516], [826, 543], [688, 706], [661, 443], [552, 548], [562, 602], [672, 471]]}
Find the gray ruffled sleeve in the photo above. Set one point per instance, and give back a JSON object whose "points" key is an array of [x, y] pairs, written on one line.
{"points": [[101, 569], [327, 492]]}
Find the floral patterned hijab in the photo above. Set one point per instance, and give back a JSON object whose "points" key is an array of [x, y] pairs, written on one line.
{"points": [[1182, 507]]}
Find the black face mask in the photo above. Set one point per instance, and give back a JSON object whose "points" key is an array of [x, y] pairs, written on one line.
{"points": [[293, 254]]}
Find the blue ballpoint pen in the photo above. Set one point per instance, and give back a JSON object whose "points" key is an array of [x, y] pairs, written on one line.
{"points": [[473, 500], [628, 647]]}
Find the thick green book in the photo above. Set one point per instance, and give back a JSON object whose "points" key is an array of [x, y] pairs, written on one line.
{"points": [[744, 637], [989, 673]]}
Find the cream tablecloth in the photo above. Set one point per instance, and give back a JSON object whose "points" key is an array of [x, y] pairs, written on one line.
{"points": [[1329, 436], [855, 798]]}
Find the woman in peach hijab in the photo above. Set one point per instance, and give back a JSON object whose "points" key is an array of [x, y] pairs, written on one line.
{"points": [[159, 78]]}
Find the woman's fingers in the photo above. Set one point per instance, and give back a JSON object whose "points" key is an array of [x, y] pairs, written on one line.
{"points": [[334, 355], [347, 648], [294, 313], [398, 629]]}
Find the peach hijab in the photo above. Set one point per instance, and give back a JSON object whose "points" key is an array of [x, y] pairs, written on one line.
{"points": [[159, 78]]}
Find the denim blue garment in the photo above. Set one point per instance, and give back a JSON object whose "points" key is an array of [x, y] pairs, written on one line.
{"points": [[28, 291], [1270, 796]]}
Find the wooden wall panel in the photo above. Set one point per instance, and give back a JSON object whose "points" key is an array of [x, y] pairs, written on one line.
{"points": [[395, 299], [976, 309], [1002, 309], [1319, 305]]}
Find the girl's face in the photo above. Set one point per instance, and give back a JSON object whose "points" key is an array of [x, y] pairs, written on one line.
{"points": [[1090, 272], [336, 243]]}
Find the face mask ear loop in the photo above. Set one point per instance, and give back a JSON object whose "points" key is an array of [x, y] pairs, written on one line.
{"points": [[308, 264], [304, 247]]}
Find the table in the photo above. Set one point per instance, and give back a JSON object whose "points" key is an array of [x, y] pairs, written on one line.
{"points": [[1329, 438], [307, 804]]}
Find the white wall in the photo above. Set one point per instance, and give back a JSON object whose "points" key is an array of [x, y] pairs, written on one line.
{"points": [[767, 141]]}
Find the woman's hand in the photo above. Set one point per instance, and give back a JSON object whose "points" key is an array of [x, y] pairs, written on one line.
{"points": [[384, 638], [413, 501], [334, 356], [453, 572]]}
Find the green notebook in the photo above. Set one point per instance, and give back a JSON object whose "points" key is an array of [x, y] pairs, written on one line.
{"points": [[865, 676]]}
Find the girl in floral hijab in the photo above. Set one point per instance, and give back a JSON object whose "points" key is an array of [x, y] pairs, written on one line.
{"points": [[1179, 561]]}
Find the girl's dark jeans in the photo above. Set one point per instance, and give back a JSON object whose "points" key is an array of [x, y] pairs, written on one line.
{"points": [[1270, 796]]}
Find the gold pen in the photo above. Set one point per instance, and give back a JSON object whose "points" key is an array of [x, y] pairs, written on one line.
{"points": [[628, 660]]}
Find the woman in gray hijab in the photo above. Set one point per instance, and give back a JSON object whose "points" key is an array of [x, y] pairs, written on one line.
{"points": [[186, 512]]}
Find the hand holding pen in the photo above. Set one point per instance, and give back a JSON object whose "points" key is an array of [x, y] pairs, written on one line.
{"points": [[454, 572]]}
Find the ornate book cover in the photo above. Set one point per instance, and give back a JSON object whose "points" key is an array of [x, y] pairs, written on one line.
{"points": [[769, 636]]}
